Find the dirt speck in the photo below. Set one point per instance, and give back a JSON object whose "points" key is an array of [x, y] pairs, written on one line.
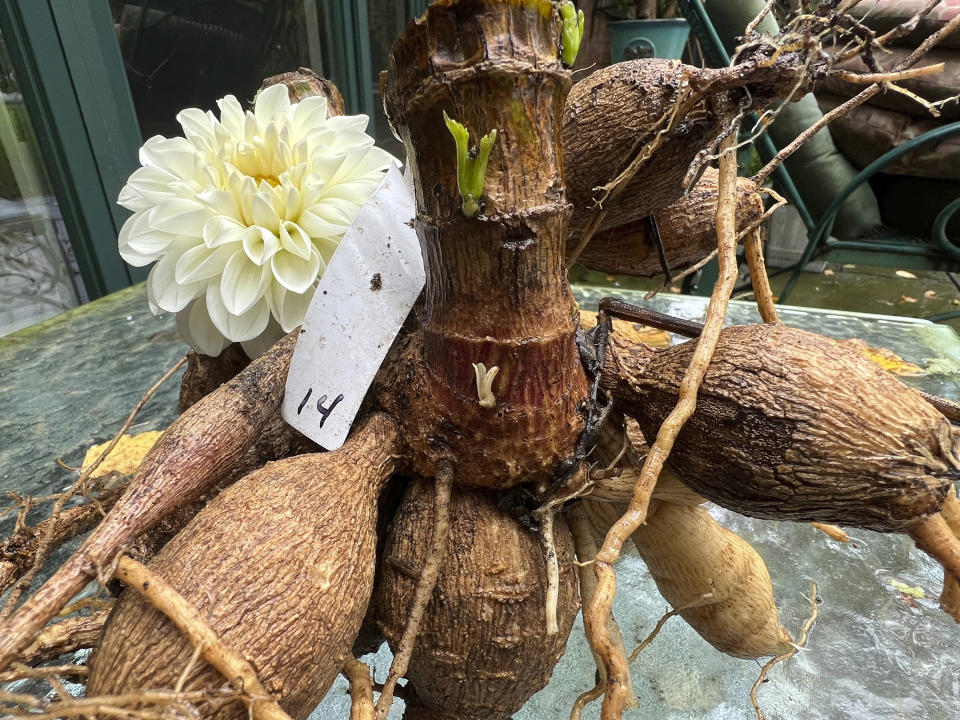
{"points": [[376, 282]]}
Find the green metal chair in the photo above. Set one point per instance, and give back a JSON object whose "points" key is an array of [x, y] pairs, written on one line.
{"points": [[881, 246]]}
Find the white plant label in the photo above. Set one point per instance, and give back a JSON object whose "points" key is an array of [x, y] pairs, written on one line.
{"points": [[362, 299]]}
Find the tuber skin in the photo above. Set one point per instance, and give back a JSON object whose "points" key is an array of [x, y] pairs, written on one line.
{"points": [[690, 556], [687, 230], [482, 650], [280, 565], [791, 425], [609, 116], [496, 291], [195, 453]]}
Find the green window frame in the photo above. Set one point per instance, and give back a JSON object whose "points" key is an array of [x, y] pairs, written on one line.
{"points": [[71, 75]]}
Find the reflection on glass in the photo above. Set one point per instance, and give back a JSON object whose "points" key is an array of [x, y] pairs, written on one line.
{"points": [[188, 53], [38, 275]]}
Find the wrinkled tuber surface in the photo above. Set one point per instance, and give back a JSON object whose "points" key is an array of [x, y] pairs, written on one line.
{"points": [[281, 566], [496, 291], [794, 425], [609, 116], [482, 650], [687, 230]]}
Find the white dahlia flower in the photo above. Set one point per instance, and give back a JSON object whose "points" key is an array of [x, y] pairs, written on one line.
{"points": [[243, 214]]}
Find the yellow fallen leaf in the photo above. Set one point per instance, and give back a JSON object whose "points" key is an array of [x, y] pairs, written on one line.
{"points": [[916, 592], [905, 274], [828, 271], [125, 457], [887, 359], [907, 298], [930, 294]]}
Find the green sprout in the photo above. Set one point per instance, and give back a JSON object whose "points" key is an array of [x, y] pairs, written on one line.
{"points": [[471, 166], [571, 33]]}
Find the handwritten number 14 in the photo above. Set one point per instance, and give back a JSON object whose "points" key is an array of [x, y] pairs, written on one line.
{"points": [[324, 411]]}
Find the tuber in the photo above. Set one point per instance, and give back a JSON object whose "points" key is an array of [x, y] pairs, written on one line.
{"points": [[482, 650], [280, 565], [720, 580], [790, 425]]}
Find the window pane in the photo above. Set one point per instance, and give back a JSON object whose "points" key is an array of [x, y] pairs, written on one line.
{"points": [[38, 274], [189, 53]]}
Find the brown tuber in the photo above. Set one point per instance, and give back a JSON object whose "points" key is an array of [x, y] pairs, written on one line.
{"points": [[687, 229], [280, 565], [482, 650], [791, 425]]}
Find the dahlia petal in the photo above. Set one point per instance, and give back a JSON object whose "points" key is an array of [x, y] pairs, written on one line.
{"points": [[318, 227], [295, 273], [195, 327], [131, 198], [198, 128], [295, 240], [340, 123], [242, 283], [201, 263], [231, 115], [237, 328], [264, 341], [326, 246], [163, 290], [309, 113], [175, 155], [154, 184], [221, 230], [180, 217], [139, 244], [221, 202], [259, 244], [292, 204], [264, 214], [289, 308], [271, 103]]}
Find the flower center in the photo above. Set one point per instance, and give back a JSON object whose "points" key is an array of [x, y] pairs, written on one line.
{"points": [[271, 180]]}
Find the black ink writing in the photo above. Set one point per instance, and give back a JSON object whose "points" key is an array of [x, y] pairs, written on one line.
{"points": [[324, 411]]}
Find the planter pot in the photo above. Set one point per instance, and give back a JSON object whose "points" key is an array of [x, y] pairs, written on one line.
{"points": [[633, 39]]}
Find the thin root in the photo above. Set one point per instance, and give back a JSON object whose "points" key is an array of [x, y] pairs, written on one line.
{"points": [[758, 277], [553, 573], [188, 620], [597, 614], [424, 589], [796, 647], [361, 689], [832, 532]]}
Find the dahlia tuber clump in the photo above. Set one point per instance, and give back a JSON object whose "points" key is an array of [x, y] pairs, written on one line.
{"points": [[490, 406]]}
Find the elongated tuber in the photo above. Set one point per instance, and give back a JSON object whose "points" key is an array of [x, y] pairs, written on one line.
{"points": [[200, 448], [794, 425], [687, 228], [281, 567], [714, 573]]}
